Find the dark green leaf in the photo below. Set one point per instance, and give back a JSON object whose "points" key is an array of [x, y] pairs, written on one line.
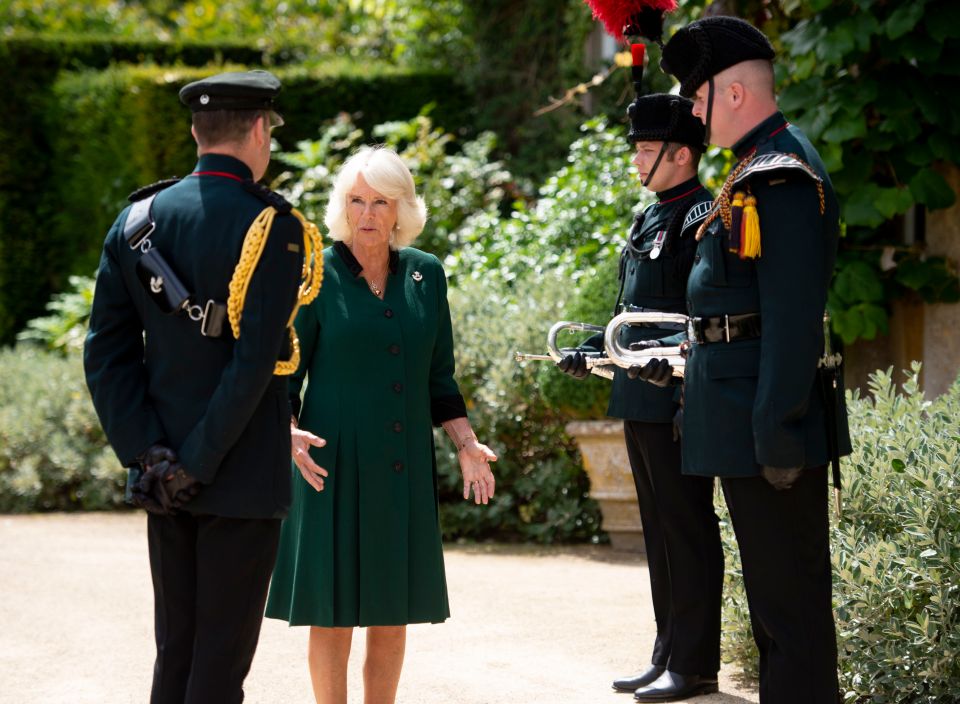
{"points": [[904, 18], [846, 127], [945, 147], [860, 208], [942, 20], [892, 201], [836, 44], [931, 189], [859, 281], [802, 95], [864, 26], [898, 465]]}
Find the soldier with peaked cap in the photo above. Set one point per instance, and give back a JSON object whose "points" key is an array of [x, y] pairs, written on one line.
{"points": [[757, 414], [185, 359], [680, 529]]}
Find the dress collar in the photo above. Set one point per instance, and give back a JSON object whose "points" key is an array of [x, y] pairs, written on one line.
{"points": [[354, 267], [223, 164], [765, 130], [681, 190]]}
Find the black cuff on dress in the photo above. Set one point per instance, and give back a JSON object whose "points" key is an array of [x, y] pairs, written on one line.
{"points": [[444, 408]]}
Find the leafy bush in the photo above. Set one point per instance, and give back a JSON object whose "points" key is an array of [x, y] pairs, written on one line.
{"points": [[65, 326], [896, 551], [456, 180], [541, 486], [53, 454]]}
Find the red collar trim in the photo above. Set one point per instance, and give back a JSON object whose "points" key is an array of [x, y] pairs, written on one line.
{"points": [[780, 129], [682, 195], [222, 174]]}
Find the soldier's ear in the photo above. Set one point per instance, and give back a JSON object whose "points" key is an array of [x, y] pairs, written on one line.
{"points": [[736, 93]]}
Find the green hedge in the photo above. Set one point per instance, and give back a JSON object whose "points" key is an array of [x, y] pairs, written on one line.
{"points": [[116, 129], [86, 130], [30, 267]]}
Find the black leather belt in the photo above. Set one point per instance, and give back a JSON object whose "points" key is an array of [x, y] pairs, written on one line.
{"points": [[724, 328]]}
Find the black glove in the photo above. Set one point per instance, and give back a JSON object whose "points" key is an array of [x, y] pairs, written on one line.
{"points": [[148, 495], [780, 478], [141, 483], [574, 363], [175, 487], [678, 425], [657, 372]]}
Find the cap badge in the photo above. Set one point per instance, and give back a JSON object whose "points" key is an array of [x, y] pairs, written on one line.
{"points": [[416, 276], [204, 99]]}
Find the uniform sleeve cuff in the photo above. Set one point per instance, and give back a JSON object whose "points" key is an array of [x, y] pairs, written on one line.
{"points": [[444, 408]]}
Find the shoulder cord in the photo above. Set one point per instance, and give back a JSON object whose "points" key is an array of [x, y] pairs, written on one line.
{"points": [[721, 205], [310, 278]]}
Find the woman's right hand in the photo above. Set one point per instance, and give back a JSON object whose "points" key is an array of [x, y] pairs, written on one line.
{"points": [[300, 443]]}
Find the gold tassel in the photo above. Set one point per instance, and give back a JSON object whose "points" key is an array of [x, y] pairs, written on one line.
{"points": [[735, 240], [750, 247]]}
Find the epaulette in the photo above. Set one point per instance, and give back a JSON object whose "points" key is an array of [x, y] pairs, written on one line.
{"points": [[697, 213], [281, 204], [775, 161], [142, 193]]}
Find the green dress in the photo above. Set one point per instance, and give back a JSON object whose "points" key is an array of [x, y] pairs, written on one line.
{"points": [[366, 551]]}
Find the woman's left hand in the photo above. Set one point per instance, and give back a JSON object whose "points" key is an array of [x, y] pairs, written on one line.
{"points": [[475, 459]]}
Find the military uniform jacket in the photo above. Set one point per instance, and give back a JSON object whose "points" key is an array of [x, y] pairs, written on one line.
{"points": [[654, 267], [155, 378], [754, 402]]}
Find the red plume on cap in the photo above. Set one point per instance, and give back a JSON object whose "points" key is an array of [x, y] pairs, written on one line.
{"points": [[616, 14]]}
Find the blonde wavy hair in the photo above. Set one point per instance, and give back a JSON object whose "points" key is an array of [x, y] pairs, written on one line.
{"points": [[385, 172]]}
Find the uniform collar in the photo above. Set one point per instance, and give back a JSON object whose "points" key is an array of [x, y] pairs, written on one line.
{"points": [[222, 163], [688, 187], [354, 267], [765, 130]]}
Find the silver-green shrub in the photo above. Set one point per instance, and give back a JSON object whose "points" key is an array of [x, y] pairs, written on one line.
{"points": [[53, 454], [896, 551]]}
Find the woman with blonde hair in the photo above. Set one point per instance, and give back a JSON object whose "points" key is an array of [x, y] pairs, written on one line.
{"points": [[361, 546]]}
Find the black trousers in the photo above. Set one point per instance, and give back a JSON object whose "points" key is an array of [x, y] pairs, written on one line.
{"points": [[684, 554], [784, 545], [210, 577]]}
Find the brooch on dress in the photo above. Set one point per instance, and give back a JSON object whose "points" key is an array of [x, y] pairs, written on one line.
{"points": [[416, 276]]}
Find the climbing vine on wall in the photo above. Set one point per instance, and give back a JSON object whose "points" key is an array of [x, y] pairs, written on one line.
{"points": [[875, 85]]}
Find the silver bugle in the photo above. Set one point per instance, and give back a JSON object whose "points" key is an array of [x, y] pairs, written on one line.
{"points": [[626, 358], [596, 363]]}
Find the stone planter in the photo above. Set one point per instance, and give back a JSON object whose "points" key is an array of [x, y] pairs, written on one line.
{"points": [[611, 482]]}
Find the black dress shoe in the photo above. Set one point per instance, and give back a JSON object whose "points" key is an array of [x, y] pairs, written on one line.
{"points": [[640, 679], [671, 686]]}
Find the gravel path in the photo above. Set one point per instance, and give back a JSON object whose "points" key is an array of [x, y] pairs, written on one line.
{"points": [[529, 625]]}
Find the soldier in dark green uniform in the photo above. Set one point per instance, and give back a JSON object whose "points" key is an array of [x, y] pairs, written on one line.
{"points": [[680, 528], [755, 413], [181, 361]]}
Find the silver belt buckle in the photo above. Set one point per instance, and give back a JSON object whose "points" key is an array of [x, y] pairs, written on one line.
{"points": [[203, 320], [691, 331], [726, 327]]}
